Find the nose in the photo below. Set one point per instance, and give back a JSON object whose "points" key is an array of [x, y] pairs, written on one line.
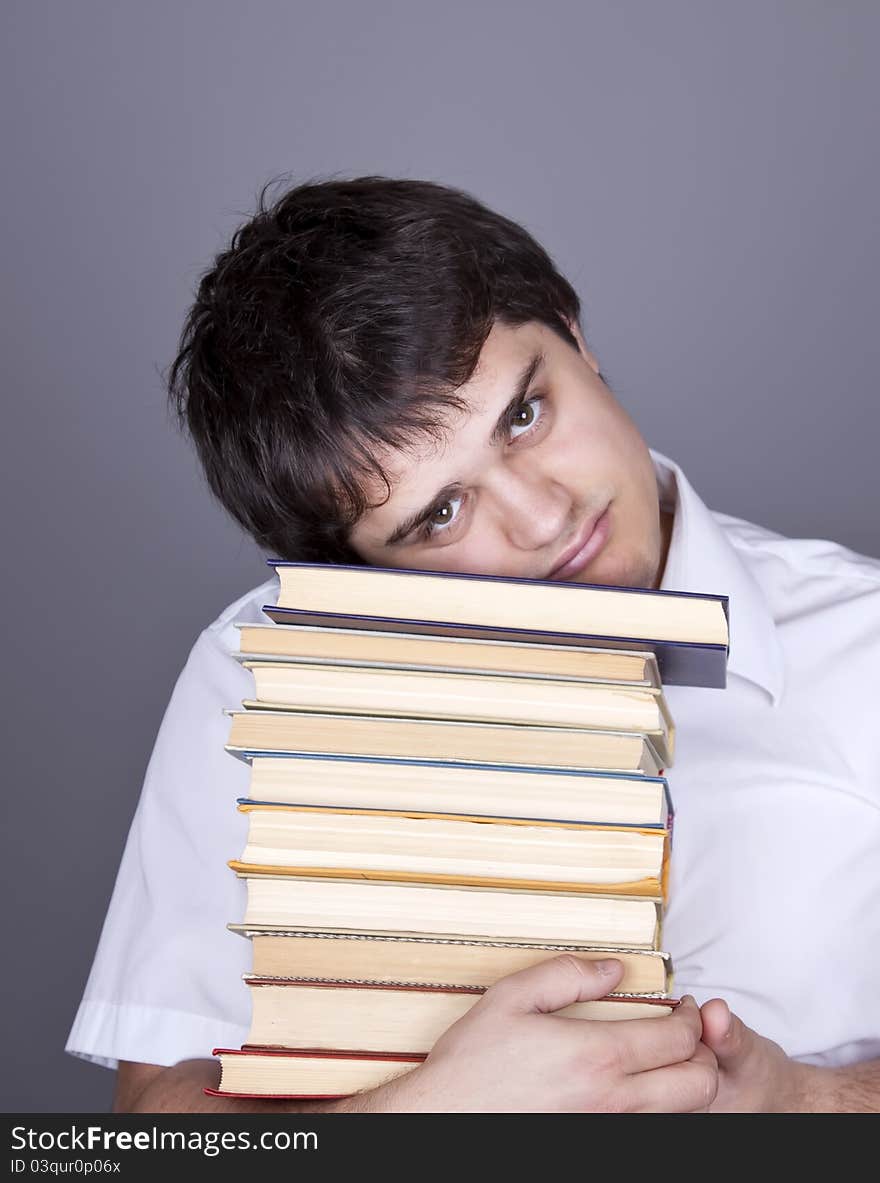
{"points": [[532, 507]]}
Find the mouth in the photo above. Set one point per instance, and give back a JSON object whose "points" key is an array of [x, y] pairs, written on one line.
{"points": [[589, 541]]}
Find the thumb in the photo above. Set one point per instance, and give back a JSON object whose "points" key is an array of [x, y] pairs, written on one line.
{"points": [[723, 1033], [553, 984]]}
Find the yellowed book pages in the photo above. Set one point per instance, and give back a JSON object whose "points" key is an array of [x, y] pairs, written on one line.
{"points": [[567, 607], [397, 909], [386, 1019], [442, 739], [360, 958], [414, 651], [631, 799], [414, 847], [473, 697], [262, 1074]]}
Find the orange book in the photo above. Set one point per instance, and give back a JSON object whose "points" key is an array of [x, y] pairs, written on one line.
{"points": [[454, 849]]}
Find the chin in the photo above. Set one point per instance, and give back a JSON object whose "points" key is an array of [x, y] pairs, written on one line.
{"points": [[621, 570]]}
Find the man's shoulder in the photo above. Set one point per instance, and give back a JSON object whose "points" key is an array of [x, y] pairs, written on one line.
{"points": [[827, 594], [819, 559], [211, 675], [247, 609]]}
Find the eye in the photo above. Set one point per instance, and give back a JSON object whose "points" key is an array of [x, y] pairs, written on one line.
{"points": [[526, 415], [443, 516]]}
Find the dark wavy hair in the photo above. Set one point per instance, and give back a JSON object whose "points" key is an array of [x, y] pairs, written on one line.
{"points": [[340, 321]]}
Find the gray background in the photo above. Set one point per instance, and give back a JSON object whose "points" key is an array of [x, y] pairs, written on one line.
{"points": [[705, 173]]}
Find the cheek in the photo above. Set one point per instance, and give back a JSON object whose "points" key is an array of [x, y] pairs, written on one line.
{"points": [[608, 455], [483, 552], [589, 469], [593, 439], [632, 556]]}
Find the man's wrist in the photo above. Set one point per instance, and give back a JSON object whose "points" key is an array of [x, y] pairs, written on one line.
{"points": [[814, 1089]]}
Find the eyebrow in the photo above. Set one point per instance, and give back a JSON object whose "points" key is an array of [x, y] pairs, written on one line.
{"points": [[499, 431]]}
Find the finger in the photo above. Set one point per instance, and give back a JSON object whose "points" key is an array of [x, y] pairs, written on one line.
{"points": [[677, 1088], [554, 984], [724, 1033], [716, 1021], [640, 1045]]}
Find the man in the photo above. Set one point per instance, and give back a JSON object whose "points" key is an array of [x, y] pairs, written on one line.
{"points": [[386, 372]]}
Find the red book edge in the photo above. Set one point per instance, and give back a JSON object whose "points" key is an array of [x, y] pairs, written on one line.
{"points": [[277, 1096], [319, 1054], [322, 1053], [312, 1053]]}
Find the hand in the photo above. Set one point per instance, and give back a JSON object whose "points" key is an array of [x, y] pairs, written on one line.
{"points": [[754, 1074], [510, 1053]]}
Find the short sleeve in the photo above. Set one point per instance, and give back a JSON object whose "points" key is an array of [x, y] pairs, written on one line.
{"points": [[166, 982]]}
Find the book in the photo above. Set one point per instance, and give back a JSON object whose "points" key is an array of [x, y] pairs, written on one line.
{"points": [[486, 851], [436, 802], [687, 631], [433, 786], [311, 1073], [485, 698], [485, 913], [330, 1016], [420, 961], [304, 732], [364, 647], [304, 1074]]}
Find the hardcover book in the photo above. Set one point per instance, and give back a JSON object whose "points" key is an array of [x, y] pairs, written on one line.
{"points": [[433, 786], [314, 841], [307, 732], [493, 698], [384, 650], [331, 1016], [686, 631], [414, 961], [322, 1074], [491, 913], [304, 1074]]}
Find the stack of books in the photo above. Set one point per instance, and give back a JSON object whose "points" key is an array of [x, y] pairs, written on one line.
{"points": [[452, 778]]}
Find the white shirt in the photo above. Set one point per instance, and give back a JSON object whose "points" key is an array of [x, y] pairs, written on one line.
{"points": [[775, 885]]}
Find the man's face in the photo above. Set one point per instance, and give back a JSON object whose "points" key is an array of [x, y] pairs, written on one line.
{"points": [[557, 485]]}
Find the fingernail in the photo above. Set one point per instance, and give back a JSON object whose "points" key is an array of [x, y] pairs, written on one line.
{"points": [[606, 967]]}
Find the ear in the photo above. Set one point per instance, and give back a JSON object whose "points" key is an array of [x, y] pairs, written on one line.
{"points": [[575, 329]]}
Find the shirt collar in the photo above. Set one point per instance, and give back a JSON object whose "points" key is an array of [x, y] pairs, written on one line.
{"points": [[701, 559]]}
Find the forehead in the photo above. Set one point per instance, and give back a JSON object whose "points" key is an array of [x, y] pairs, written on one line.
{"points": [[503, 354], [458, 454], [487, 391]]}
